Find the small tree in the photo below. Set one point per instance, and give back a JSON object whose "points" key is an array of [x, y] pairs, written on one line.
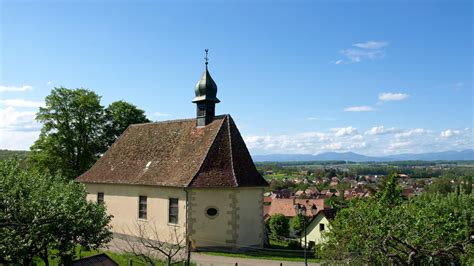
{"points": [[146, 242], [279, 226], [39, 212], [296, 223]]}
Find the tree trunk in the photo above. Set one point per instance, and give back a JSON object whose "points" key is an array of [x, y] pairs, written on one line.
{"points": [[44, 256]]}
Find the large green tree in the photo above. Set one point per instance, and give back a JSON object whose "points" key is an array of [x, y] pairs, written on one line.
{"points": [[40, 212], [70, 140], [77, 130]]}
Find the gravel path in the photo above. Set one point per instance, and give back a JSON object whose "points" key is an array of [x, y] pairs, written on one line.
{"points": [[211, 260]]}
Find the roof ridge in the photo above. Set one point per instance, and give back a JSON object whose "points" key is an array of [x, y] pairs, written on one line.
{"points": [[207, 153], [173, 121], [230, 148]]}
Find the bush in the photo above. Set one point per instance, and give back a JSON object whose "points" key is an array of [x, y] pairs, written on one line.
{"points": [[279, 226]]}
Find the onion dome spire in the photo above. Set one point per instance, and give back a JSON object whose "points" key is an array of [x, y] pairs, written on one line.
{"points": [[206, 92], [206, 88]]}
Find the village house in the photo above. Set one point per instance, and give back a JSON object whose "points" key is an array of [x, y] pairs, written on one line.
{"points": [[194, 176], [287, 206], [317, 226]]}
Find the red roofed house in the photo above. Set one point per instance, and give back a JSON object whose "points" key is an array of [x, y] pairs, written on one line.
{"points": [[287, 206], [317, 227], [195, 175]]}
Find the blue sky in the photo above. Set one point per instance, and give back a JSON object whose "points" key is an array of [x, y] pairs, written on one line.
{"points": [[374, 77]]}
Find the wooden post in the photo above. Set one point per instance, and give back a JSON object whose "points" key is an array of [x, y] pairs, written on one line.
{"points": [[188, 260]]}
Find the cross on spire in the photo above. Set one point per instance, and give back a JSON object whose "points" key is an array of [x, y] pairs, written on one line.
{"points": [[206, 58]]}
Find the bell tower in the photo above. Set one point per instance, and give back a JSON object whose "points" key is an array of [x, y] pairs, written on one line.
{"points": [[205, 100]]}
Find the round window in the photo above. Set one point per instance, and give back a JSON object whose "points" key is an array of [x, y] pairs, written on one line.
{"points": [[212, 212]]}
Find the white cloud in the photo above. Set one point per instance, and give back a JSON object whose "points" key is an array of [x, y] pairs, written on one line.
{"points": [[14, 120], [158, 114], [370, 50], [49, 83], [450, 133], [390, 96], [399, 145], [17, 140], [21, 103], [344, 131], [371, 45], [411, 133], [377, 141], [380, 130], [458, 86], [4, 88], [359, 109], [18, 129], [333, 146], [357, 55]]}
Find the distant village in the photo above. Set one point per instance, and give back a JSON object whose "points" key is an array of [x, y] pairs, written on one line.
{"points": [[325, 186]]}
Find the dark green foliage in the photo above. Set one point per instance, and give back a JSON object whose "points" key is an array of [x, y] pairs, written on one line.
{"points": [[301, 186], [441, 185], [119, 115], [296, 223], [467, 180], [77, 130], [70, 140], [279, 226], [390, 194], [40, 212], [276, 184]]}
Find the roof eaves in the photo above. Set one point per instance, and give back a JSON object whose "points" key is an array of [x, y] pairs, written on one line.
{"points": [[230, 150]]}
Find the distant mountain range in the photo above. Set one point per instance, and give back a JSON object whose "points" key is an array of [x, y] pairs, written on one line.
{"points": [[354, 157]]}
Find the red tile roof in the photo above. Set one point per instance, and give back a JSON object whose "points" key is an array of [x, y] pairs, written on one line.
{"points": [[267, 199], [178, 154], [286, 206]]}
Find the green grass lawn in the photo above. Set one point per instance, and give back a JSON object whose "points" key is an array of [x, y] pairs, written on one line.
{"points": [[273, 255], [120, 258], [276, 250]]}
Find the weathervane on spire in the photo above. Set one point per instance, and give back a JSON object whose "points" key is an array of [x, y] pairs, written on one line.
{"points": [[206, 58]]}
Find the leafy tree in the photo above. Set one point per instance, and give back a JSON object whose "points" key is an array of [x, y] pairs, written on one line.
{"points": [[40, 212], [70, 140], [467, 180], [428, 229], [296, 223], [441, 185], [390, 193], [76, 130], [119, 115], [330, 173], [279, 226], [276, 184]]}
